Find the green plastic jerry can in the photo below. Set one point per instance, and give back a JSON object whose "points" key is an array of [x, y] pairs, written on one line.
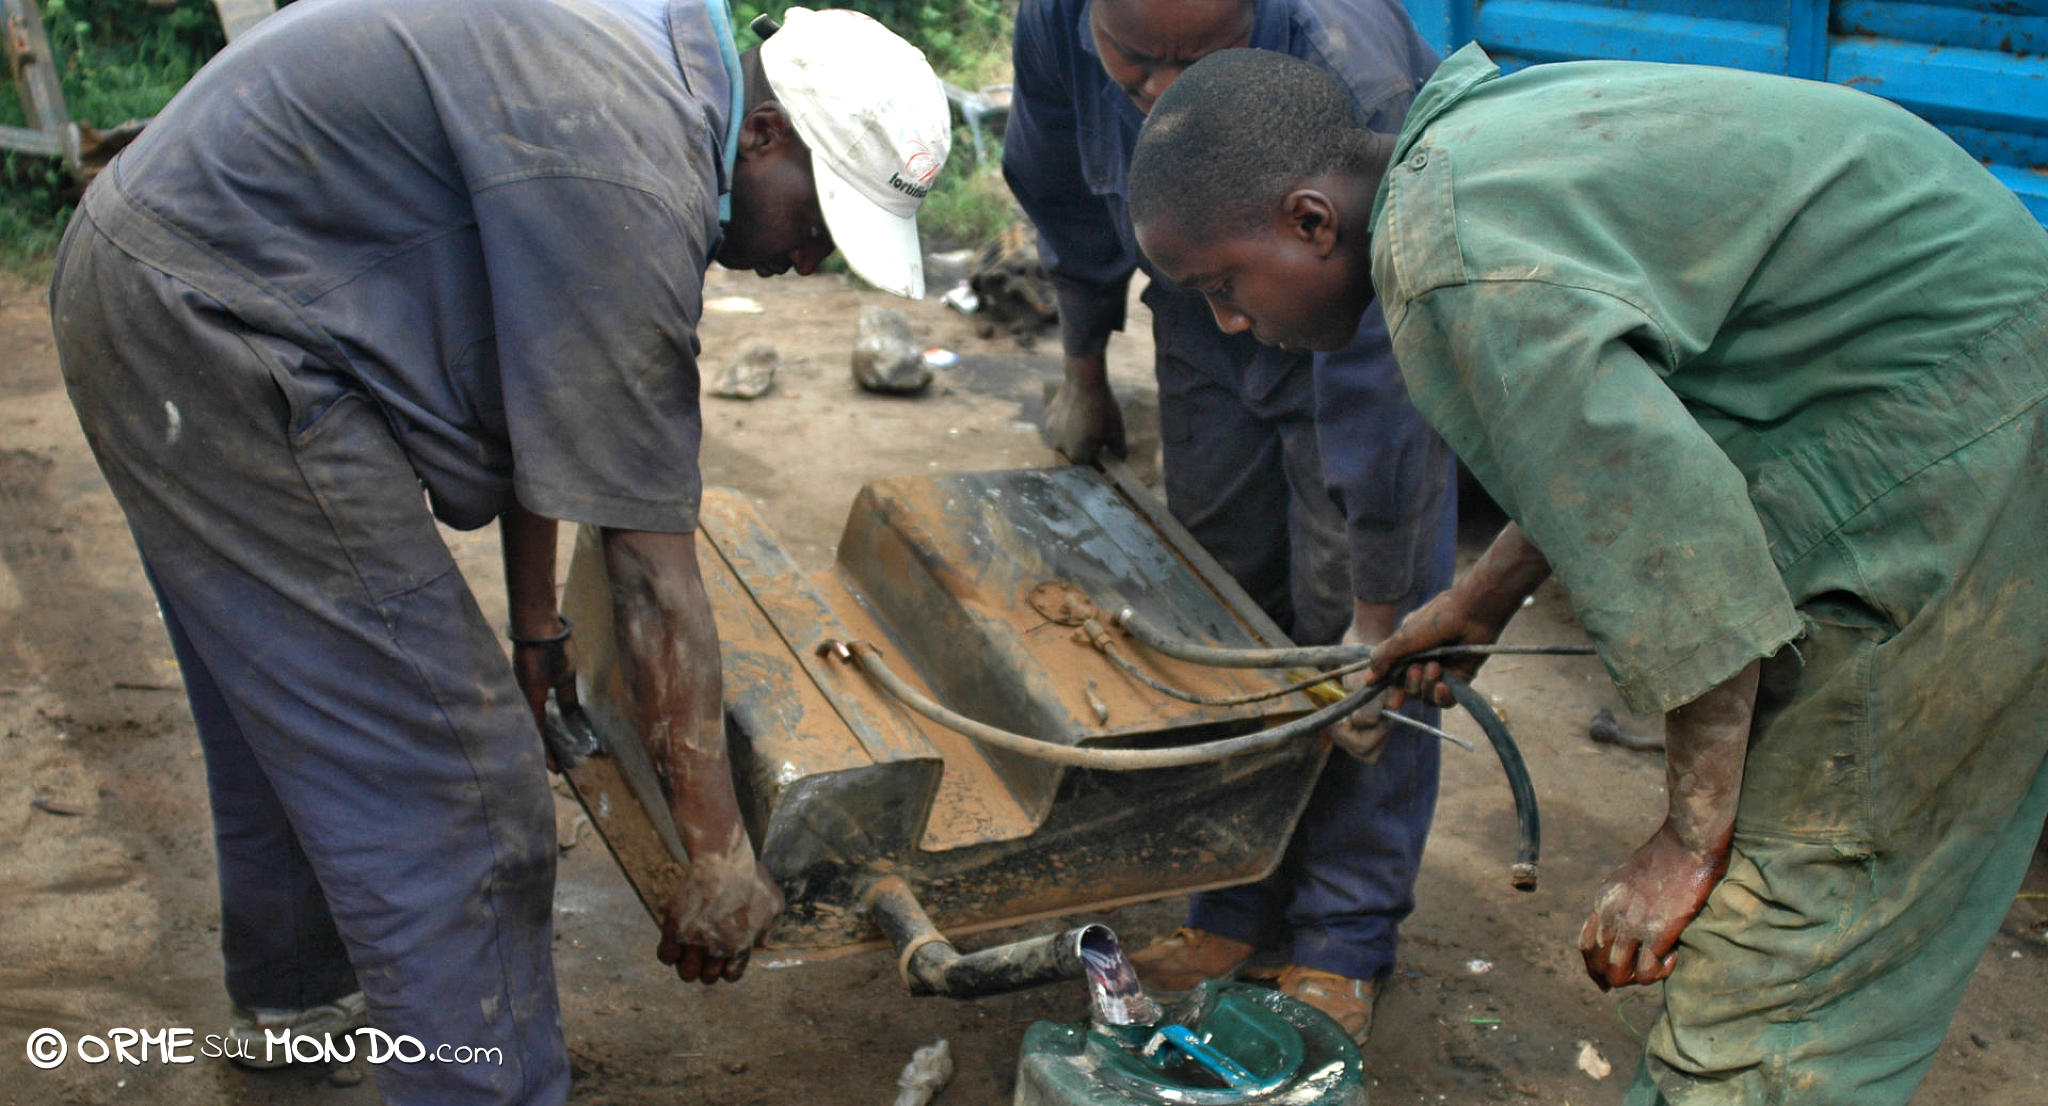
{"points": [[1226, 1044]]}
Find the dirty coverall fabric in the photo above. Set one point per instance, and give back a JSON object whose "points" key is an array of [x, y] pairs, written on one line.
{"points": [[1759, 365], [382, 255], [1311, 484]]}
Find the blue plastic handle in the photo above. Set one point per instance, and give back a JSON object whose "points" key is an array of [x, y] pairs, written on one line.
{"points": [[1223, 1067]]}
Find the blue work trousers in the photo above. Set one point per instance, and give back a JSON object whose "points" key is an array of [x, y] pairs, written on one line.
{"points": [[1246, 481], [1244, 474], [381, 806]]}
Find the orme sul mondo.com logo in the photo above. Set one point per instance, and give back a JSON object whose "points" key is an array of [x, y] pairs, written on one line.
{"points": [[48, 1048]]}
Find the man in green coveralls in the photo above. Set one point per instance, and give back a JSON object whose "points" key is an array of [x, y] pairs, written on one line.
{"points": [[1756, 366]]}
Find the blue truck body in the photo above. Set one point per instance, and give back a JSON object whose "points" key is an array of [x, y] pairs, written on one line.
{"points": [[1978, 69]]}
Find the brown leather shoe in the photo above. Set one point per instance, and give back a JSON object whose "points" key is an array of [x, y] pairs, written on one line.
{"points": [[1347, 1001], [1187, 958]]}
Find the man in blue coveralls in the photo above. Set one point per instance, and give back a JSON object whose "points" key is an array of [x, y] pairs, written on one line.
{"points": [[1317, 486], [380, 245]]}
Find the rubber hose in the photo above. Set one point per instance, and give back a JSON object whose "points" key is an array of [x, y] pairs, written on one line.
{"points": [[869, 660], [1528, 827], [1300, 656], [1310, 656]]}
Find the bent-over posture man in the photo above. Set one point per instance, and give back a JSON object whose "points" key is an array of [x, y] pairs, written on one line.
{"points": [[1334, 530], [384, 245], [1757, 367]]}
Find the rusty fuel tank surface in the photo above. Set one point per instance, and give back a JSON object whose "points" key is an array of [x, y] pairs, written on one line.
{"points": [[841, 785]]}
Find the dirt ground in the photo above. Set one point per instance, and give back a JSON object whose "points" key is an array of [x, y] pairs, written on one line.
{"points": [[107, 900]]}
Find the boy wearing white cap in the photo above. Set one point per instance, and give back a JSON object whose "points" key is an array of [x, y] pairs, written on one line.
{"points": [[386, 246]]}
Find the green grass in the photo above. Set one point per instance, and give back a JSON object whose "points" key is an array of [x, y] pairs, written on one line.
{"points": [[124, 59], [957, 36], [118, 60], [970, 203], [32, 215]]}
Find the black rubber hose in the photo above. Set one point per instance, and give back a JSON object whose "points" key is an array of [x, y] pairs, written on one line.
{"points": [[1528, 826]]}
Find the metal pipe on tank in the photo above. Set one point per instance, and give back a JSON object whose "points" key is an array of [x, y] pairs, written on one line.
{"points": [[930, 965]]}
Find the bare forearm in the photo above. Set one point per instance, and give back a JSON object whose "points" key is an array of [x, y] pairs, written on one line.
{"points": [[669, 643], [528, 541], [1705, 745], [1088, 316], [1632, 933], [1472, 611], [1090, 371], [1507, 573]]}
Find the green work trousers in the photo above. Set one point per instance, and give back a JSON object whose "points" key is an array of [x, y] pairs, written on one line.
{"points": [[1893, 794]]}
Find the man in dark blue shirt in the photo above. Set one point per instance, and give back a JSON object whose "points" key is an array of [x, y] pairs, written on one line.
{"points": [[1317, 486], [381, 246]]}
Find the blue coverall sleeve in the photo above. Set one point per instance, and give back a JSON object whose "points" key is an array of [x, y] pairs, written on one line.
{"points": [[596, 289], [1389, 470], [1078, 239], [1391, 473], [1372, 46]]}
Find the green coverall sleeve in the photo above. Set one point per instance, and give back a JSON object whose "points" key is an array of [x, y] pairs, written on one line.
{"points": [[1551, 395]]}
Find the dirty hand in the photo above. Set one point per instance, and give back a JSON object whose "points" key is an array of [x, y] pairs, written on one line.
{"points": [[1364, 732], [542, 667], [723, 906], [1645, 904], [1082, 419], [1451, 618]]}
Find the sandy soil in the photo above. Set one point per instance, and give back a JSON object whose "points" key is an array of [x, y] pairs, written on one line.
{"points": [[107, 900]]}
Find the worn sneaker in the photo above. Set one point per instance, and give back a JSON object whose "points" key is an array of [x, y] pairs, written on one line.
{"points": [[251, 1028], [1347, 1001], [1187, 958]]}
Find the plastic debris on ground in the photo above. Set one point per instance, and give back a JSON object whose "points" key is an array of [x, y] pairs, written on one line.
{"points": [[929, 1070], [1592, 1063], [750, 377], [961, 298], [1478, 967], [734, 305]]}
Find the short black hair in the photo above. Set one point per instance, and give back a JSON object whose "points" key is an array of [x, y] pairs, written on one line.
{"points": [[755, 89], [1234, 134]]}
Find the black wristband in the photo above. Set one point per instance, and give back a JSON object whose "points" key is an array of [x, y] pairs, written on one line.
{"points": [[558, 638]]}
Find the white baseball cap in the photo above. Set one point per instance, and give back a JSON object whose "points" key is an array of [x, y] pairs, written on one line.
{"points": [[875, 118]]}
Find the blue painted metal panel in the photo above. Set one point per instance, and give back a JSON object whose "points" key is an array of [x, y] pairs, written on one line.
{"points": [[1806, 41], [1977, 87], [1943, 25], [1976, 68], [2029, 183], [1556, 30], [2011, 148], [1433, 20]]}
